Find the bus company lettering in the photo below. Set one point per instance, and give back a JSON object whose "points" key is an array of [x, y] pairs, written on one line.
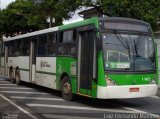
{"points": [[44, 64]]}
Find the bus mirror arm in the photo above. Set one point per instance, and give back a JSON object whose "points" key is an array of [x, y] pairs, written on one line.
{"points": [[98, 43]]}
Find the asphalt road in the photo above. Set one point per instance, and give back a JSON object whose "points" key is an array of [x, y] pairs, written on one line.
{"points": [[34, 102]]}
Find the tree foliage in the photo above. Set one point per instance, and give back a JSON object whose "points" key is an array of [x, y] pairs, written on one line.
{"points": [[29, 15], [147, 10], [59, 9], [1, 25], [16, 17]]}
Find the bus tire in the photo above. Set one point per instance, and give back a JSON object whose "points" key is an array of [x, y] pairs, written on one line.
{"points": [[11, 75], [66, 89], [17, 77]]}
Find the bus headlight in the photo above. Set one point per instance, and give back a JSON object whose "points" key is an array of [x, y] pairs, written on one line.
{"points": [[152, 81], [110, 82]]}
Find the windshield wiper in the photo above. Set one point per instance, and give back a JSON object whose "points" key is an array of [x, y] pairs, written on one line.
{"points": [[135, 44], [126, 46]]}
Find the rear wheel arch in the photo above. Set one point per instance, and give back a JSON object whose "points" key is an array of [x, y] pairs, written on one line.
{"points": [[62, 76], [66, 87]]}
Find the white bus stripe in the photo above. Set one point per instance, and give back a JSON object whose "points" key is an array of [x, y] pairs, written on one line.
{"points": [[51, 116], [37, 98], [78, 108], [20, 108], [4, 81], [7, 84], [13, 88], [22, 92]]}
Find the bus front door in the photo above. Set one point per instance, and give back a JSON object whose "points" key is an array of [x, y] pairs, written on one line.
{"points": [[85, 62]]}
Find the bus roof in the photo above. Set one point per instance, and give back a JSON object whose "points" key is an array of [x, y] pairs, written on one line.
{"points": [[77, 24], [123, 19], [62, 27], [31, 34]]}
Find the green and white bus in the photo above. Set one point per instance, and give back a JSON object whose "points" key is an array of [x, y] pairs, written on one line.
{"points": [[105, 58]]}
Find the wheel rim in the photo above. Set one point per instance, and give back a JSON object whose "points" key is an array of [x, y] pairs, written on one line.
{"points": [[67, 88]]}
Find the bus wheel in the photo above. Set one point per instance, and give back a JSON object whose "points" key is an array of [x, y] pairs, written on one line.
{"points": [[17, 77], [11, 76], [66, 89]]}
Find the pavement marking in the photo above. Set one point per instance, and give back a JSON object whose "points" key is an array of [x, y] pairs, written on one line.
{"points": [[78, 108], [23, 92], [51, 116], [14, 88], [37, 98], [139, 111], [20, 108]]}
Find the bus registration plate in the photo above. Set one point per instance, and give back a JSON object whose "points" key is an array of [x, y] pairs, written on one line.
{"points": [[134, 90]]}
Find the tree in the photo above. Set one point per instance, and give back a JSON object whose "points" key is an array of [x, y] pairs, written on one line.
{"points": [[59, 9], [16, 17], [27, 15], [147, 10], [1, 24], [43, 10]]}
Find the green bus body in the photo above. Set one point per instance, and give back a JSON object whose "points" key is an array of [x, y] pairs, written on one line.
{"points": [[124, 83]]}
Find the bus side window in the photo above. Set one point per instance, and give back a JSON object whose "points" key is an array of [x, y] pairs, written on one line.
{"points": [[42, 45], [73, 46], [16, 47], [11, 49], [66, 43], [2, 52], [68, 36], [52, 38], [61, 50], [74, 35], [25, 47], [60, 40]]}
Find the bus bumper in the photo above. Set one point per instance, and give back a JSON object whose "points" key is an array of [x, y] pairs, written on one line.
{"points": [[115, 92]]}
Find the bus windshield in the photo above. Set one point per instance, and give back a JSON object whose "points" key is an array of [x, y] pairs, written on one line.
{"points": [[128, 52]]}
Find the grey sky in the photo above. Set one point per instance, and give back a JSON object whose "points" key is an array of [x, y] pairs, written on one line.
{"points": [[4, 3]]}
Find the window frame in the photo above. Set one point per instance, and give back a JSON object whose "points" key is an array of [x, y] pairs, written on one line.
{"points": [[47, 44]]}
